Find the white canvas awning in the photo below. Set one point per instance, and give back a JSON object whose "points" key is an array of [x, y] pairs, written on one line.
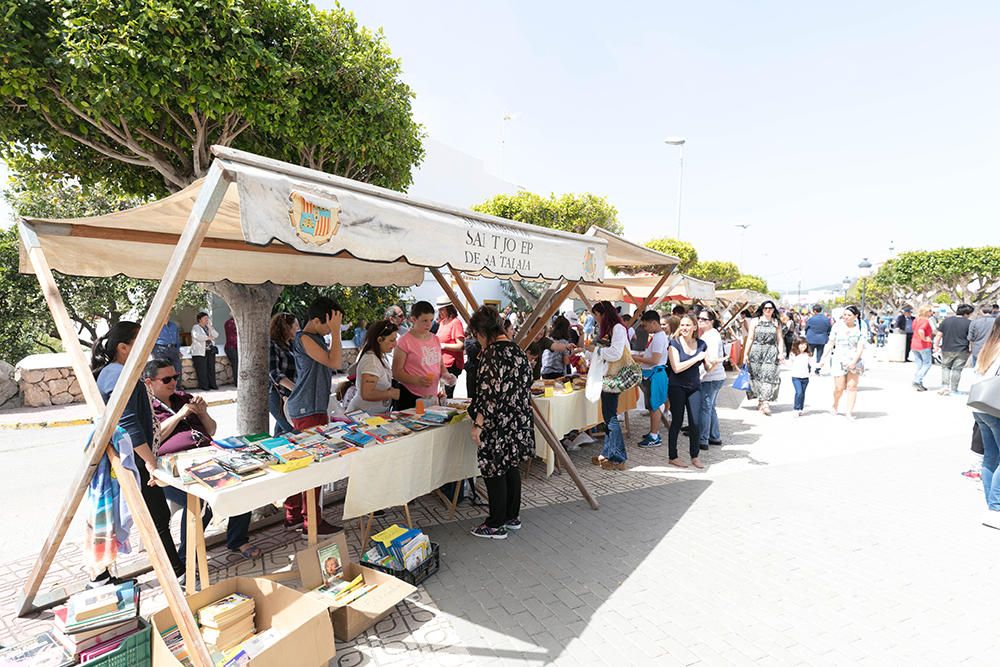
{"points": [[636, 289], [289, 225], [624, 254], [731, 296]]}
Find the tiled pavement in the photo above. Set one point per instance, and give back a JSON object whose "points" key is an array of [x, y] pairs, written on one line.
{"points": [[808, 541]]}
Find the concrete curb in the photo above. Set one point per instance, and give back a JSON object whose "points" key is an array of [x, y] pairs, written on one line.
{"points": [[24, 426]]}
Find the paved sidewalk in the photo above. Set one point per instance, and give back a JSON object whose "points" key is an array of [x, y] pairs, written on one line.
{"points": [[812, 540]]}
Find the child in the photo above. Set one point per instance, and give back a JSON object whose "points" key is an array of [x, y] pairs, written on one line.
{"points": [[654, 375], [800, 372]]}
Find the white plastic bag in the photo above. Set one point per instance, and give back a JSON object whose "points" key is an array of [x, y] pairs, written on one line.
{"points": [[595, 377]]}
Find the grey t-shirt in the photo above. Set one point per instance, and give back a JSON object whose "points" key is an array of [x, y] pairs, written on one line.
{"points": [[954, 334], [979, 331], [311, 395]]}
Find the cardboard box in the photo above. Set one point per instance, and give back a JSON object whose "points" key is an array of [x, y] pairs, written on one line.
{"points": [[351, 620], [308, 635]]}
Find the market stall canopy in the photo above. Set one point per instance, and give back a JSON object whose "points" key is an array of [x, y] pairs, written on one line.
{"points": [[744, 296], [625, 255], [288, 225], [639, 288]]}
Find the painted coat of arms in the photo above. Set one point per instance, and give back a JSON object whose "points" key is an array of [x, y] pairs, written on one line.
{"points": [[315, 219]]}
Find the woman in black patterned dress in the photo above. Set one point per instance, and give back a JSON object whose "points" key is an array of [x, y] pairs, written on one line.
{"points": [[763, 354], [503, 427]]}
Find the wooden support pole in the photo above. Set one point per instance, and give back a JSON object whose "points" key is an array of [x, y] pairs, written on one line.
{"points": [[464, 286], [734, 316], [542, 304], [583, 297], [312, 517], [211, 195], [183, 616], [652, 294], [553, 442], [549, 312], [455, 301], [192, 517]]}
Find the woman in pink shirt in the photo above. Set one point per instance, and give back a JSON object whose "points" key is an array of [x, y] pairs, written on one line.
{"points": [[451, 333], [417, 363]]}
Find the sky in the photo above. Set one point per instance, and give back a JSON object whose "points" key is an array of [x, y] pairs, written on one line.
{"points": [[834, 130]]}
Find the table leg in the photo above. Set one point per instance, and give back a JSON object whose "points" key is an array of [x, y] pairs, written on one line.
{"points": [[193, 518], [406, 512], [202, 554], [367, 531], [454, 499], [311, 517]]}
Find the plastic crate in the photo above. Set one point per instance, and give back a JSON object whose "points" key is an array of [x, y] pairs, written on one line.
{"points": [[420, 574], [134, 651]]}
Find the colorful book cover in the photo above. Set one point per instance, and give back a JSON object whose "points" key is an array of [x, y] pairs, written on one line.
{"points": [[331, 564], [213, 475], [358, 439], [42, 651]]}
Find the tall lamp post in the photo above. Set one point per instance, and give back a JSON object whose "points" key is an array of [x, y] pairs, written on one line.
{"points": [[743, 238], [678, 141], [865, 268], [847, 286]]}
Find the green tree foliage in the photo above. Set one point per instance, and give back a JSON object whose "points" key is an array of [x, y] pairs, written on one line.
{"points": [[748, 281], [722, 274], [364, 302], [682, 250], [964, 275], [569, 212], [137, 91]]}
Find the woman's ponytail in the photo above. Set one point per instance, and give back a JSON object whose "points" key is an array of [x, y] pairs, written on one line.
{"points": [[105, 350]]}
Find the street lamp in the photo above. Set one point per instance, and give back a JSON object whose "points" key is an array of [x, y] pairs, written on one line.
{"points": [[678, 141], [743, 236], [847, 286], [865, 268]]}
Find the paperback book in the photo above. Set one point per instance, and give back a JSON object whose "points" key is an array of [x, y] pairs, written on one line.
{"points": [[212, 475]]}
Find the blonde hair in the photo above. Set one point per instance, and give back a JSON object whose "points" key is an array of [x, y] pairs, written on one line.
{"points": [[991, 349], [924, 311]]}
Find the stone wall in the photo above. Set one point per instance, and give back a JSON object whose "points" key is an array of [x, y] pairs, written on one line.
{"points": [[48, 379]]}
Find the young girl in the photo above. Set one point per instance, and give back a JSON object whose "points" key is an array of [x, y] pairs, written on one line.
{"points": [[800, 373], [417, 364]]}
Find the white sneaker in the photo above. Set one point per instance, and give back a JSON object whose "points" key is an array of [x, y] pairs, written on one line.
{"points": [[992, 519]]}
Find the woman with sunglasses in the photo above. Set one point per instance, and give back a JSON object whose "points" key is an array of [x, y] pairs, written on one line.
{"points": [[765, 349], [847, 344]]}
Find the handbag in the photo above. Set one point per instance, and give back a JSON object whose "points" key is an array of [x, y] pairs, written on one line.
{"points": [[742, 381], [984, 396], [622, 374]]}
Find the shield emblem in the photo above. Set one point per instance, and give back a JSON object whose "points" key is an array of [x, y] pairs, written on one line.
{"points": [[315, 219]]}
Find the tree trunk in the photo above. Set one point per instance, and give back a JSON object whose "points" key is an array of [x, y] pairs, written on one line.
{"points": [[251, 306]]}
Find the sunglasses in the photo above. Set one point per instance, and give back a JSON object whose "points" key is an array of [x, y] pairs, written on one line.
{"points": [[704, 319], [768, 308], [169, 379]]}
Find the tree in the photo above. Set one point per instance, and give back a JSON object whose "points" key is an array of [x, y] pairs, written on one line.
{"points": [[569, 212], [720, 273], [964, 275], [750, 282], [89, 301], [135, 93], [682, 250]]}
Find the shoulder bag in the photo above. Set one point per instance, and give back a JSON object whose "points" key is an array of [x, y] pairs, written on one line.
{"points": [[622, 374], [984, 396]]}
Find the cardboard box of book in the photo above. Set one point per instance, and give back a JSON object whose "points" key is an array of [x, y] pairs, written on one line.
{"points": [[301, 633], [326, 566]]}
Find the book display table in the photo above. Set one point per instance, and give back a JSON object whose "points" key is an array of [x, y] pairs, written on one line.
{"points": [[569, 412], [380, 475]]}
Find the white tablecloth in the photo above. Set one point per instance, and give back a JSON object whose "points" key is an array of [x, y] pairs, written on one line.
{"points": [[397, 472], [564, 413], [379, 476]]}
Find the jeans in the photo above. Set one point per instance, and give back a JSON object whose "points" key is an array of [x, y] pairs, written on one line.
{"points": [[989, 427], [709, 422], [237, 530], [818, 349], [504, 494], [277, 409], [952, 364], [923, 359], [800, 385], [614, 443], [680, 398]]}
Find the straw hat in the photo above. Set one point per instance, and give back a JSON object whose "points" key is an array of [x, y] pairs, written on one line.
{"points": [[442, 301]]}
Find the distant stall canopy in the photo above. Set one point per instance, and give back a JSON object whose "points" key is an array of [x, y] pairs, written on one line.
{"points": [[625, 255], [288, 225], [639, 289], [727, 297]]}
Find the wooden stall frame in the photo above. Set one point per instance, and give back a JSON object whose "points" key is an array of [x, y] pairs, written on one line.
{"points": [[207, 204]]}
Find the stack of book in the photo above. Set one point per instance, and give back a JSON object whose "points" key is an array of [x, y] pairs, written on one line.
{"points": [[97, 621], [40, 651], [335, 586], [227, 622], [399, 548]]}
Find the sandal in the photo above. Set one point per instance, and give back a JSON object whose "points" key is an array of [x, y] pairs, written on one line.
{"points": [[249, 551]]}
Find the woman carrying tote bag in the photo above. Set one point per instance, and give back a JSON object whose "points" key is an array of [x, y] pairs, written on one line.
{"points": [[622, 373], [985, 395]]}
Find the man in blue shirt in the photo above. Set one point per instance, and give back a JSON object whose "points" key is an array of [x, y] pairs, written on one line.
{"points": [[168, 346], [818, 332]]}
